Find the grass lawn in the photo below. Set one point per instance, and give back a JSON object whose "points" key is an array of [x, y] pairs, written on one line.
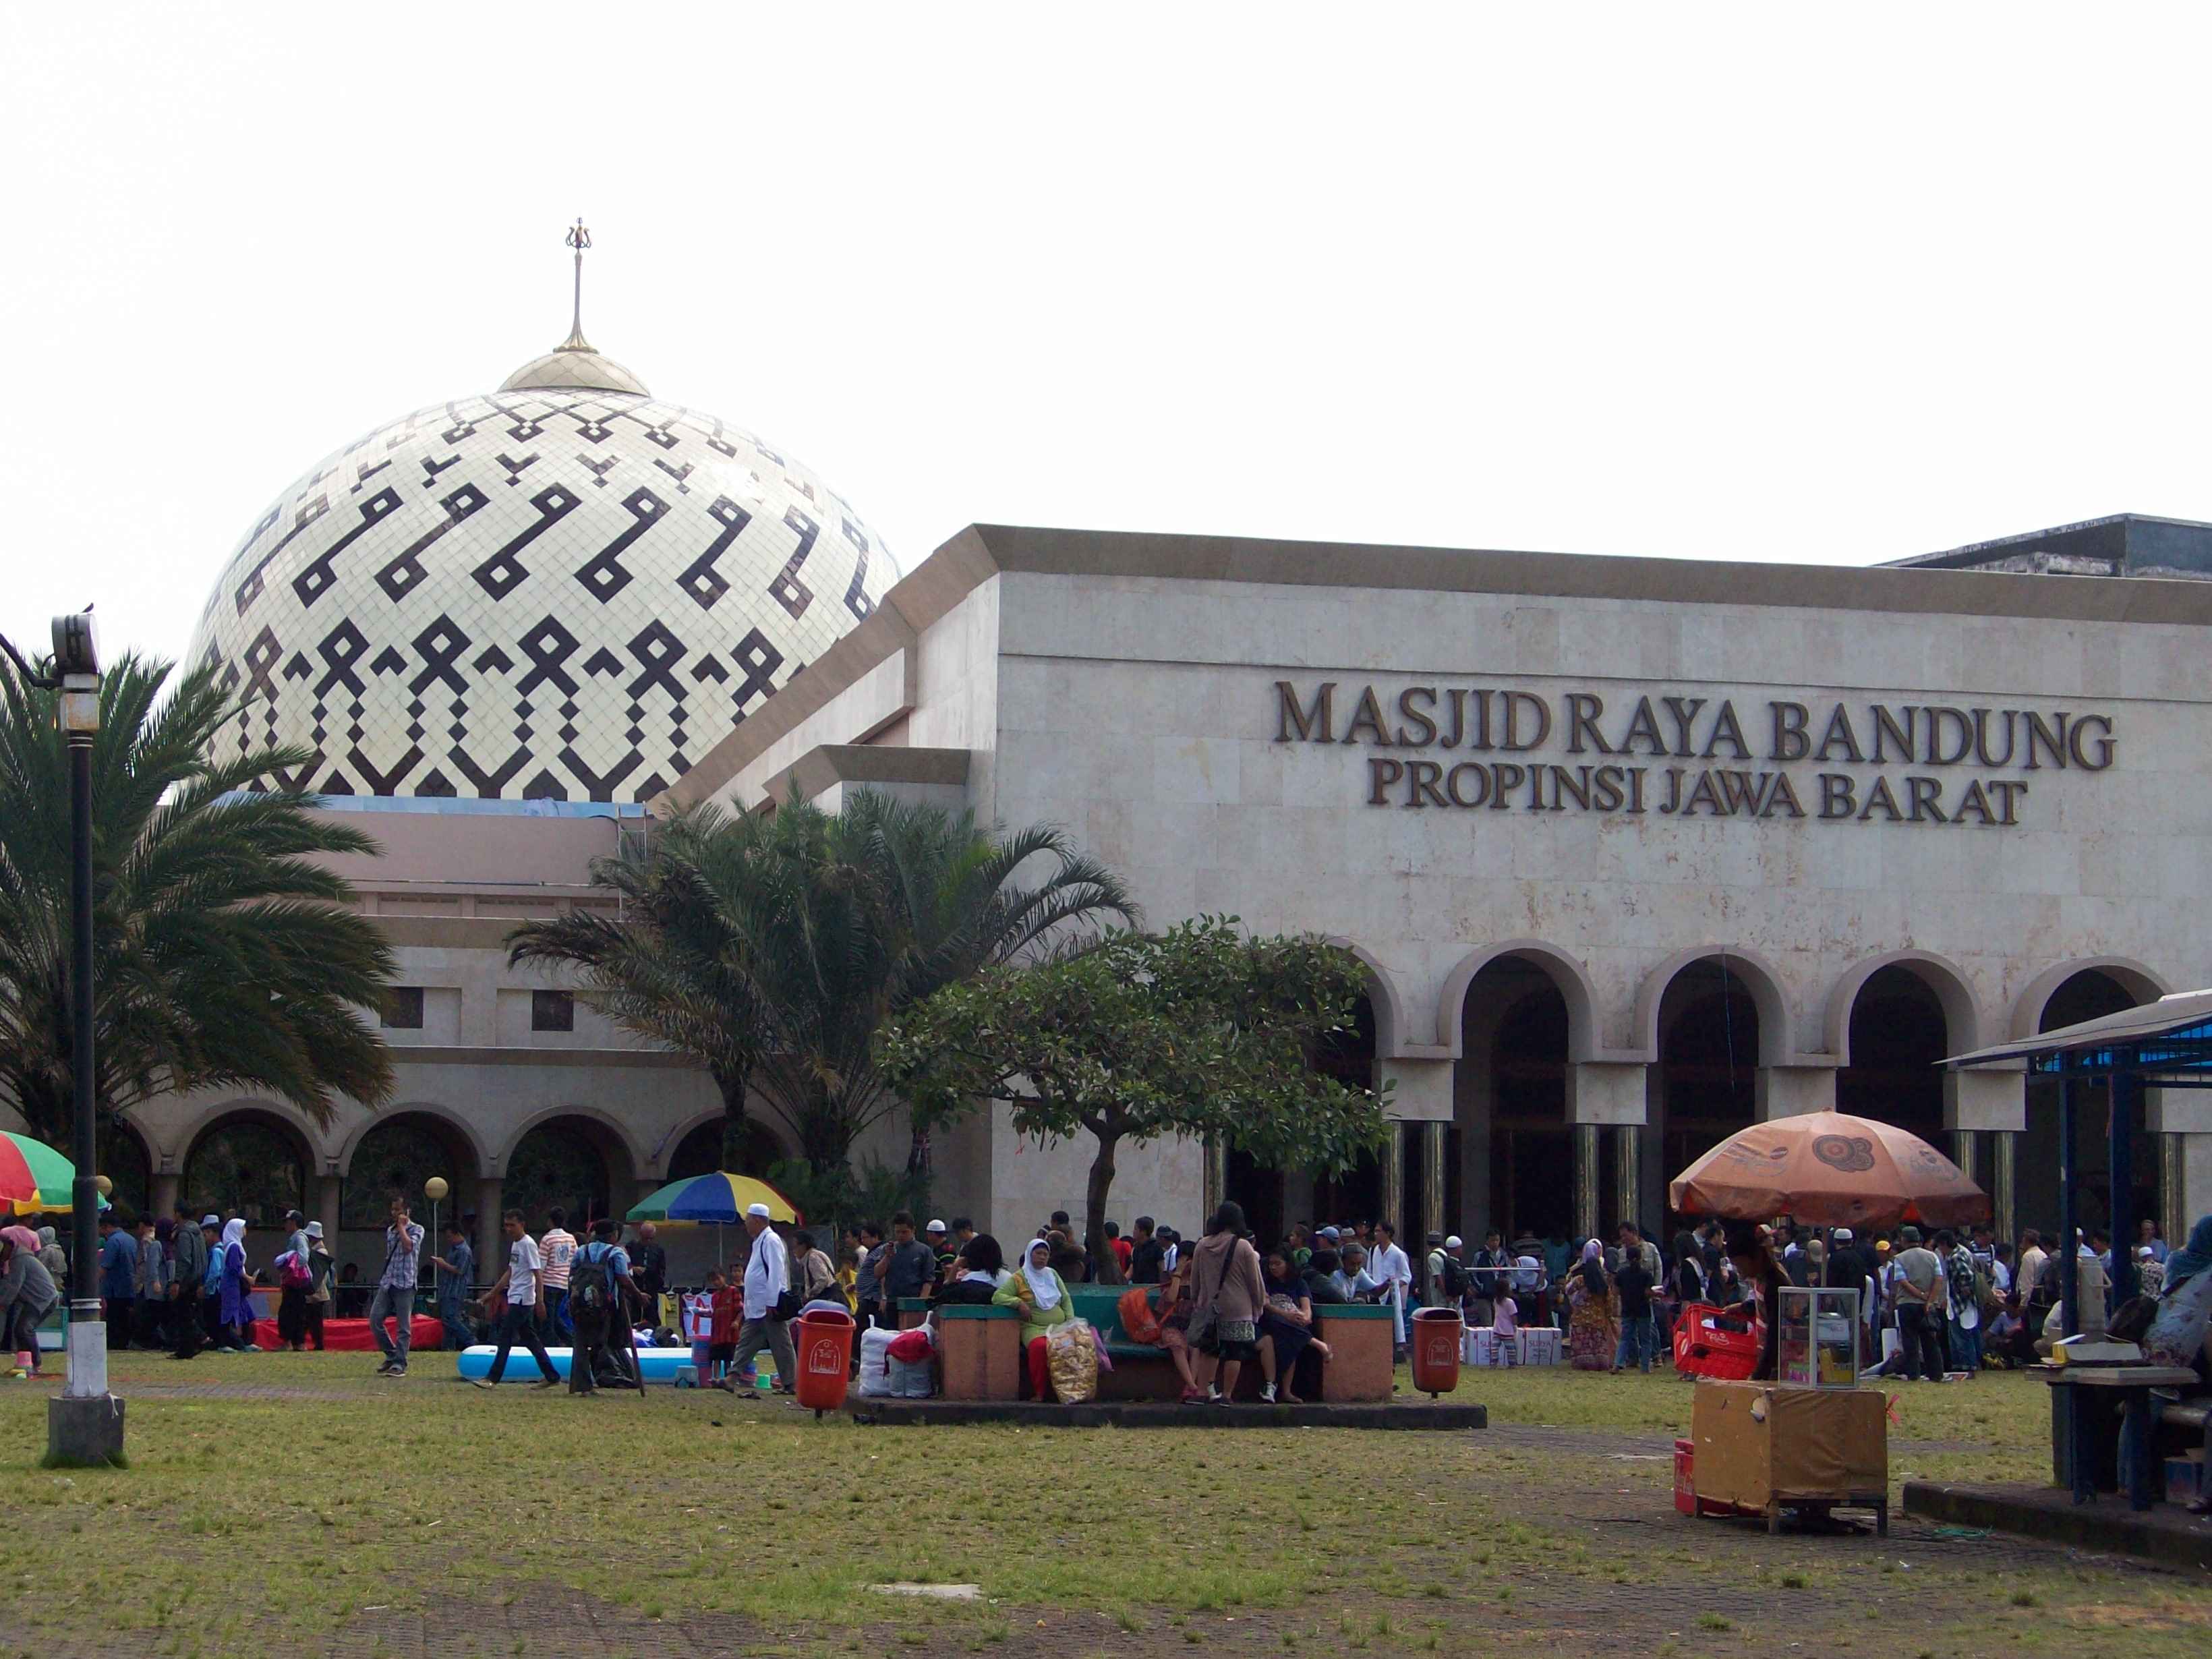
{"points": [[344, 1514]]}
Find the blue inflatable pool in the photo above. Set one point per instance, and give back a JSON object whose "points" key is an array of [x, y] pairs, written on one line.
{"points": [[659, 1364]]}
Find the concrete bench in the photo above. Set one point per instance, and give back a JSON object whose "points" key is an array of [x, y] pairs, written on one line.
{"points": [[1141, 1372], [979, 1351]]}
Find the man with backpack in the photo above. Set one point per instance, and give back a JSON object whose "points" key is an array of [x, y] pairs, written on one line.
{"points": [[1449, 1280], [598, 1281]]}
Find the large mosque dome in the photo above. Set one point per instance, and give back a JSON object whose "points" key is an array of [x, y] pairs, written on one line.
{"points": [[563, 589]]}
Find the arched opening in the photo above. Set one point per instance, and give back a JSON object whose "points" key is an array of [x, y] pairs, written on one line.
{"points": [[394, 1159], [2090, 994], [572, 1162], [1899, 1038], [123, 1159], [1514, 1146], [250, 1164], [700, 1152], [1707, 1078]]}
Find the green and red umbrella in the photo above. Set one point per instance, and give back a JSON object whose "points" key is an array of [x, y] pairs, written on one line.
{"points": [[34, 1178]]}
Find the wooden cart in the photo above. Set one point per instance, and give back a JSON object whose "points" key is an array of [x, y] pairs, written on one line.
{"points": [[1763, 1449]]}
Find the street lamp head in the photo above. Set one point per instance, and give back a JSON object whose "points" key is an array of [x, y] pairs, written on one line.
{"points": [[435, 1188], [77, 644]]}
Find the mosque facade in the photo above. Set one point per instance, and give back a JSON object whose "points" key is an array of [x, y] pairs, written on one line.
{"points": [[1635, 851]]}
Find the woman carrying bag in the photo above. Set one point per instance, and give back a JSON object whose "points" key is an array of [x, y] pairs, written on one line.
{"points": [[1228, 1295]]}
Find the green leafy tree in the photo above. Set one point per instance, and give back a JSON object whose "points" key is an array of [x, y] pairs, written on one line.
{"points": [[772, 947], [227, 956], [1200, 1031]]}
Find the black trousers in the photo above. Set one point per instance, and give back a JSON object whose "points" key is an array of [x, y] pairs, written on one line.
{"points": [[586, 1351], [1919, 1341], [518, 1322]]}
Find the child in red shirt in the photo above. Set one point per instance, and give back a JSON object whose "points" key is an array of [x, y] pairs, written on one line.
{"points": [[729, 1309]]}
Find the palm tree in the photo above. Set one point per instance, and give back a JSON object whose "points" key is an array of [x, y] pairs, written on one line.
{"points": [[225, 955], [666, 964], [771, 947]]}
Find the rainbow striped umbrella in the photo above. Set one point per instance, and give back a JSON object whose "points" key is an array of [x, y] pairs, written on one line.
{"points": [[34, 1178], [719, 1197]]}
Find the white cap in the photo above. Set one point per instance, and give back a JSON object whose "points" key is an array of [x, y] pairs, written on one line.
{"points": [[211, 1221], [2142, 1252], [759, 1210], [934, 1226], [1843, 1235], [1454, 1242], [314, 1230]]}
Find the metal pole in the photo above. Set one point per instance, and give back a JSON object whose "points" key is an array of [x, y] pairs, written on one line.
{"points": [[2126, 1091], [2066, 1255], [84, 1215]]}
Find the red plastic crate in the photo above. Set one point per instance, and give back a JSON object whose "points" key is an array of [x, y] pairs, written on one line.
{"points": [[1685, 1492], [1706, 1347]]}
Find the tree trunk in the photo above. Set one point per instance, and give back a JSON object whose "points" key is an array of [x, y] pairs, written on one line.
{"points": [[735, 1086], [1103, 1262]]}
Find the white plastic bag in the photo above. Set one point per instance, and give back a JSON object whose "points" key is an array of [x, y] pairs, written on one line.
{"points": [[875, 1362]]}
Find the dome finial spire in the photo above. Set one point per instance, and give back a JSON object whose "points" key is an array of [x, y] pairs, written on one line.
{"points": [[579, 238]]}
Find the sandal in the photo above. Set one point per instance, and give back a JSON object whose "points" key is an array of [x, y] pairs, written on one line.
{"points": [[1193, 1397]]}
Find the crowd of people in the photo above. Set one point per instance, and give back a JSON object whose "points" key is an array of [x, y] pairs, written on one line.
{"points": [[1936, 1304]]}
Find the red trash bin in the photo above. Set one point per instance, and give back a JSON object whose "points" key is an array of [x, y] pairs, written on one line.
{"points": [[1436, 1350], [825, 1358]]}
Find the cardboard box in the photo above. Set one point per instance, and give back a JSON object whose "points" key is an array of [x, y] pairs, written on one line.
{"points": [[1757, 1443]]}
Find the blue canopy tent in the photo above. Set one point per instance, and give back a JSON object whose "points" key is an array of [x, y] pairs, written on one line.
{"points": [[2166, 1044]]}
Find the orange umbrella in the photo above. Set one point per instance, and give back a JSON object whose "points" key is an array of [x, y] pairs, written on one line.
{"points": [[1829, 1170]]}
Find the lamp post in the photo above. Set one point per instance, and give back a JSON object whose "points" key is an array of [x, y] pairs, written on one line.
{"points": [[84, 1423], [434, 1189]]}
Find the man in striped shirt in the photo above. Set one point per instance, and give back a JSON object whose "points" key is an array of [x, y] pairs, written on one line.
{"points": [[557, 1249]]}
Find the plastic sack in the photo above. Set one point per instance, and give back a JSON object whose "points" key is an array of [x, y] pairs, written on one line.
{"points": [[910, 1379], [2175, 1336], [1138, 1322], [1072, 1362], [875, 1361]]}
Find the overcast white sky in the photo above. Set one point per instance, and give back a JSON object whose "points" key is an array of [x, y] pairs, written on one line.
{"points": [[1727, 283]]}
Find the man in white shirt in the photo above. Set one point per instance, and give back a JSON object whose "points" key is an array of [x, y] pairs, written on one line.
{"points": [[768, 1276], [1392, 1265], [516, 1297]]}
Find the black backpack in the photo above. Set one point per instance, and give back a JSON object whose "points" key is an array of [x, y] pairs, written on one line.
{"points": [[1455, 1277], [591, 1284]]}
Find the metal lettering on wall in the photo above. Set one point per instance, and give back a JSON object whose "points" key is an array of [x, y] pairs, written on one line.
{"points": [[1684, 757]]}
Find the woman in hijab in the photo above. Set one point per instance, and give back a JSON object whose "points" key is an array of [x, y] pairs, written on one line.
{"points": [[1593, 1312], [1040, 1295], [2192, 1259], [237, 1303], [2177, 1334], [28, 1295]]}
